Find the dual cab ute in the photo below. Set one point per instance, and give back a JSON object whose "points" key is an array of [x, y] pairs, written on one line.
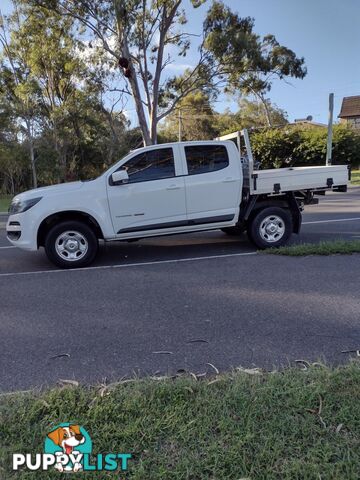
{"points": [[170, 189]]}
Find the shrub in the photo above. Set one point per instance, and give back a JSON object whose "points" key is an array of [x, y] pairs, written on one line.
{"points": [[301, 146], [275, 147]]}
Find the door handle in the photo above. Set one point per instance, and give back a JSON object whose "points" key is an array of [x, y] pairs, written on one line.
{"points": [[229, 180], [173, 187]]}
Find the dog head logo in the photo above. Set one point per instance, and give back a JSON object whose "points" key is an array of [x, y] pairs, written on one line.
{"points": [[67, 438], [68, 442]]}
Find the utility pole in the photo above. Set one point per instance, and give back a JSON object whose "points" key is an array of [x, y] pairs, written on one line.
{"points": [[330, 130], [180, 133]]}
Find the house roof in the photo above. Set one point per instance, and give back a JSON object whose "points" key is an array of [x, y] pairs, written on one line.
{"points": [[350, 107], [309, 123]]}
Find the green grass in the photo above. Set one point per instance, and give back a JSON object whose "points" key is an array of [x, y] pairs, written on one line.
{"points": [[294, 424], [5, 202], [344, 247], [355, 177]]}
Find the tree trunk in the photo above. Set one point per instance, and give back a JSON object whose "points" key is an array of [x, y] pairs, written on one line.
{"points": [[32, 153], [58, 159], [33, 167], [80, 165], [153, 128], [12, 185], [63, 166], [120, 12], [61, 156], [266, 110], [139, 107]]}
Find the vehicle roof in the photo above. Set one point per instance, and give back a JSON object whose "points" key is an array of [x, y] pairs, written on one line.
{"points": [[189, 142]]}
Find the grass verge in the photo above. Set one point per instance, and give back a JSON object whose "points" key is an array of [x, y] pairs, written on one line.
{"points": [[294, 424], [344, 247], [5, 202], [355, 177]]}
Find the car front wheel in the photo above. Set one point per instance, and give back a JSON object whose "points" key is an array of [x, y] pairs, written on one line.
{"points": [[71, 245]]}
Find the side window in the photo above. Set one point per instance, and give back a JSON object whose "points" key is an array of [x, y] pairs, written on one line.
{"points": [[152, 165], [205, 159]]}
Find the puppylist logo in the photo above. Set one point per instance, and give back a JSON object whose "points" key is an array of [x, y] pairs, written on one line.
{"points": [[68, 448]]}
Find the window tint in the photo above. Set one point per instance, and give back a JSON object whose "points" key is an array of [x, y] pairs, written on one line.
{"points": [[207, 158], [152, 165]]}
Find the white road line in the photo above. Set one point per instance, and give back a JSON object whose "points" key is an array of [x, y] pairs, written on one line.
{"points": [[8, 246], [333, 221], [127, 265]]}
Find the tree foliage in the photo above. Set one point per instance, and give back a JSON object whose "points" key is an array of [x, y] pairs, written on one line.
{"points": [[198, 119], [193, 119], [249, 115], [248, 62], [51, 103]]}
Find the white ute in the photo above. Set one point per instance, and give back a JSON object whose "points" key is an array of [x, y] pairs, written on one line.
{"points": [[166, 189]]}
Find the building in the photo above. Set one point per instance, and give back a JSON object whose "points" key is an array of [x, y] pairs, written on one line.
{"points": [[308, 123], [350, 111]]}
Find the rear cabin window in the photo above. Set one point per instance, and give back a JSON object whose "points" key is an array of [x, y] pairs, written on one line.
{"points": [[206, 159]]}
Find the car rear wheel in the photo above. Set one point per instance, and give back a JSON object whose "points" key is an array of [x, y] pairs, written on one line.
{"points": [[71, 245], [271, 227]]}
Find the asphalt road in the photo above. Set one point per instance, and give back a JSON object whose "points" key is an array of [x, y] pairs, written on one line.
{"points": [[181, 302]]}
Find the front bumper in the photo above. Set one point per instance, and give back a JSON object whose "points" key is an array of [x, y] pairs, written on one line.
{"points": [[21, 232]]}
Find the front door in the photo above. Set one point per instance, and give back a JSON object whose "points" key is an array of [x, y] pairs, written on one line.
{"points": [[153, 198]]}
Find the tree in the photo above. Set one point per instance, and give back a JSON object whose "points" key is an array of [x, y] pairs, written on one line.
{"points": [[46, 85], [67, 86], [199, 121], [193, 119], [13, 167], [137, 34], [250, 62], [250, 115], [18, 88], [47, 43], [143, 31]]}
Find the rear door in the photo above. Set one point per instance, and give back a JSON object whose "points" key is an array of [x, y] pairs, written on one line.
{"points": [[154, 196], [212, 183]]}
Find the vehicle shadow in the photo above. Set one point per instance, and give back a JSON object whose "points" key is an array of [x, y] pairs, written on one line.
{"points": [[173, 247]]}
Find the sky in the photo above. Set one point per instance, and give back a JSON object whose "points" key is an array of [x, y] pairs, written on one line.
{"points": [[325, 32]]}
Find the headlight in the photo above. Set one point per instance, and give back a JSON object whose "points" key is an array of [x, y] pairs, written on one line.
{"points": [[20, 206]]}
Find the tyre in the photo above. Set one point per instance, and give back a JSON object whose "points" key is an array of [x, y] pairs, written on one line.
{"points": [[234, 231], [270, 227], [71, 244]]}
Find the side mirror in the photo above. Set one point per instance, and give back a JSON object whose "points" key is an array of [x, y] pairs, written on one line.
{"points": [[121, 176]]}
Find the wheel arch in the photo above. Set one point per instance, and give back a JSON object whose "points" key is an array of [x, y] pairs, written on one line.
{"points": [[287, 201], [67, 215]]}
